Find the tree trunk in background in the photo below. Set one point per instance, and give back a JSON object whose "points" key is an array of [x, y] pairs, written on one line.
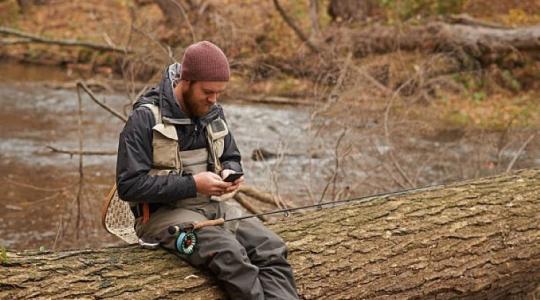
{"points": [[350, 10], [172, 11], [482, 42], [478, 239], [24, 5]]}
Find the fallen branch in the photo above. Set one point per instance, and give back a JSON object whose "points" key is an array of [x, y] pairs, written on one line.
{"points": [[92, 83], [259, 195], [69, 43], [518, 154], [79, 152], [242, 200], [15, 41], [100, 103], [465, 19], [274, 100]]}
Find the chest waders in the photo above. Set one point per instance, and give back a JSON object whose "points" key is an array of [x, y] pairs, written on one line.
{"points": [[117, 216]]}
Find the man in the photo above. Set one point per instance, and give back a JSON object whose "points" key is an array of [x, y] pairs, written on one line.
{"points": [[173, 154]]}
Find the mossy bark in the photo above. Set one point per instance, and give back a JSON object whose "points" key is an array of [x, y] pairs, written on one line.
{"points": [[474, 240]]}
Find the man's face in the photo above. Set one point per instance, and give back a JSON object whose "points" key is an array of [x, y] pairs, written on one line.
{"points": [[200, 96]]}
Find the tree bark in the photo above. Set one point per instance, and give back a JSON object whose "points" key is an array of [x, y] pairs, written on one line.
{"points": [[477, 239], [479, 41]]}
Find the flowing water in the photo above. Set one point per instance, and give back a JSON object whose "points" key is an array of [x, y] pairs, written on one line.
{"points": [[40, 187], [36, 181]]}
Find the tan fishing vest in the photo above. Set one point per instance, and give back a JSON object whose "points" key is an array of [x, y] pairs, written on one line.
{"points": [[167, 157], [117, 217]]}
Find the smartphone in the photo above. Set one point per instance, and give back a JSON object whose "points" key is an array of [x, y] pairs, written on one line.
{"points": [[232, 177]]}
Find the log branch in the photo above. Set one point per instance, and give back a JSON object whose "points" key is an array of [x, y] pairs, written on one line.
{"points": [[266, 99], [265, 197], [79, 152], [242, 200]]}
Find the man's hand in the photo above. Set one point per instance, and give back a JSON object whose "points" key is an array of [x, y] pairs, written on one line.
{"points": [[210, 184], [235, 184]]}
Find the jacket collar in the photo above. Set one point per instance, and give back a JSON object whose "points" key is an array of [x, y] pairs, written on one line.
{"points": [[170, 110]]}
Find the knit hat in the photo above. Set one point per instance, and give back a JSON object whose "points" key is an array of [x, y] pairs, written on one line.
{"points": [[204, 61]]}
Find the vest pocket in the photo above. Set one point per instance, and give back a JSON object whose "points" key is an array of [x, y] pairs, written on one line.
{"points": [[165, 152]]}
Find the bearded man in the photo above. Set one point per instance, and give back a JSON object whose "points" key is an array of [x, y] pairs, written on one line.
{"points": [[173, 154]]}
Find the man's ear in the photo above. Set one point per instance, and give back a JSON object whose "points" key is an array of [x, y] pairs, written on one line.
{"points": [[184, 85]]}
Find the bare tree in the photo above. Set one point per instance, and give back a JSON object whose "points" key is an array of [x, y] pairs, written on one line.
{"points": [[314, 16]]}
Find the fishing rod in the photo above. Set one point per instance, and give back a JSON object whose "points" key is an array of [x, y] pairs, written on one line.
{"points": [[184, 227], [187, 240]]}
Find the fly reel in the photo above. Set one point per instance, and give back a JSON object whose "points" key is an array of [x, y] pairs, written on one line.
{"points": [[186, 242]]}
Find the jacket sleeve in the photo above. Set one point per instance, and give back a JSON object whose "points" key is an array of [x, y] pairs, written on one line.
{"points": [[231, 158], [134, 161]]}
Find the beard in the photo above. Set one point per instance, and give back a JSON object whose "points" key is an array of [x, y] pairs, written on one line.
{"points": [[189, 104], [193, 107]]}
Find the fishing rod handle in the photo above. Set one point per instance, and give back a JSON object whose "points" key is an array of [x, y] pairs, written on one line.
{"points": [[174, 229], [202, 224]]}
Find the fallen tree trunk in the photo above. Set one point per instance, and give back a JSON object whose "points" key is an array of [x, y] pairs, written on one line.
{"points": [[476, 240], [473, 39]]}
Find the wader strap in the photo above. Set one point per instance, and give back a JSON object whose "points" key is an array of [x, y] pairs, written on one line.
{"points": [[155, 112], [216, 132], [157, 117]]}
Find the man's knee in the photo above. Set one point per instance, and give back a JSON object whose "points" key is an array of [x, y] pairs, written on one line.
{"points": [[218, 249], [271, 250], [226, 258]]}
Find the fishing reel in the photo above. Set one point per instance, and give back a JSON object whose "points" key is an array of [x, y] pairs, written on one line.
{"points": [[186, 242]]}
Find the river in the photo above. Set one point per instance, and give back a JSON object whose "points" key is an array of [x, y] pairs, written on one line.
{"points": [[39, 187]]}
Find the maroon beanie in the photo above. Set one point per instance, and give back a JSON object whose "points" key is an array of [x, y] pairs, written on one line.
{"points": [[204, 61]]}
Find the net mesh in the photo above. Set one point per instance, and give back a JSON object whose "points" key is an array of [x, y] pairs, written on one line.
{"points": [[118, 218]]}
